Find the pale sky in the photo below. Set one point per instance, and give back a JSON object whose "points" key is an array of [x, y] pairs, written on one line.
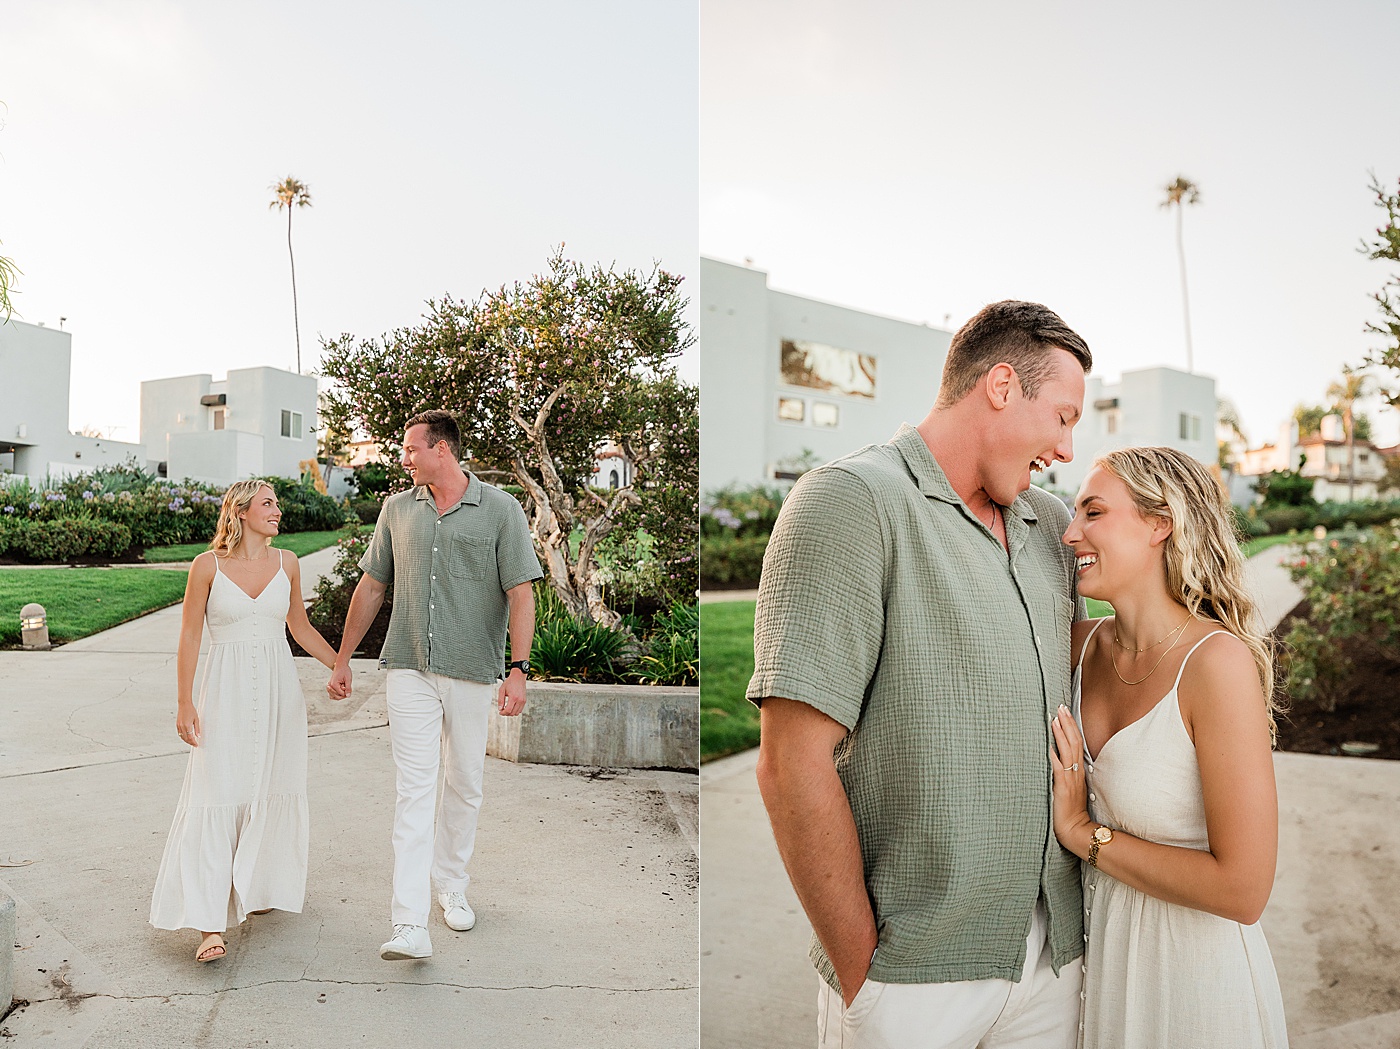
{"points": [[448, 146], [922, 159]]}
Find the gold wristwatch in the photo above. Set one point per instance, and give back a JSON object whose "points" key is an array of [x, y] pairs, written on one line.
{"points": [[1102, 836]]}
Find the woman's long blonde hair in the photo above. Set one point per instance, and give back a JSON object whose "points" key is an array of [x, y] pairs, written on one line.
{"points": [[1205, 570], [229, 531]]}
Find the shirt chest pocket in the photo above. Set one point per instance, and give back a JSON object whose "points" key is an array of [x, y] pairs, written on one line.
{"points": [[472, 558]]}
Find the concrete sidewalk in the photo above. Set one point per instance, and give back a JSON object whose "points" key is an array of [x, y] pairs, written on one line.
{"points": [[585, 882], [1333, 921]]}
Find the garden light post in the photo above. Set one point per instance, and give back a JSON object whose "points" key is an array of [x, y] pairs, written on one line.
{"points": [[34, 626]]}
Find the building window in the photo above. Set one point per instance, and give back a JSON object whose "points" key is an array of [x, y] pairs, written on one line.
{"points": [[1361, 456], [291, 425], [792, 409], [1190, 427], [219, 418], [612, 479], [1110, 421], [825, 415], [830, 369]]}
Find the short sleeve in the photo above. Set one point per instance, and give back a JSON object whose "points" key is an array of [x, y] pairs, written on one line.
{"points": [[378, 561], [819, 625], [516, 562]]}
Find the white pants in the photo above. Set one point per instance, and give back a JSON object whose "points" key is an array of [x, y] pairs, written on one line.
{"points": [[431, 716], [1039, 1012]]}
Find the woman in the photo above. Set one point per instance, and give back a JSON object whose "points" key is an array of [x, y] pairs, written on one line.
{"points": [[241, 823], [1172, 752]]}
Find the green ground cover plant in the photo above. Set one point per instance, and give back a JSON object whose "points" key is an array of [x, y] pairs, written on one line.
{"points": [[82, 601]]}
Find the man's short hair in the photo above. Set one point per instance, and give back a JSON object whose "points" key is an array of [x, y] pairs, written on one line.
{"points": [[442, 426], [1020, 334]]}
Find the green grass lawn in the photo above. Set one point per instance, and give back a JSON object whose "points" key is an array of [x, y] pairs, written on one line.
{"points": [[299, 543], [82, 601], [728, 721]]}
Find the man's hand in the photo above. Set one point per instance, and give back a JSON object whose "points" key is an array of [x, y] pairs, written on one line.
{"points": [[511, 698], [339, 685]]}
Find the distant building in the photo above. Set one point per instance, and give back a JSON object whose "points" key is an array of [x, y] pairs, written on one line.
{"points": [[785, 379], [1324, 456], [614, 469], [782, 375], [257, 422], [37, 365], [1148, 406]]}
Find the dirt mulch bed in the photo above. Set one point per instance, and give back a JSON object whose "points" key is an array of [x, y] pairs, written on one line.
{"points": [[369, 647], [1367, 712]]}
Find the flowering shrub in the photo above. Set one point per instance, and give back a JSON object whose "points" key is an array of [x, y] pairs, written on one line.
{"points": [[741, 511], [150, 511], [1352, 587]]}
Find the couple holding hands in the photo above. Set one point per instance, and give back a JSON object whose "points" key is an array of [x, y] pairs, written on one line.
{"points": [[459, 555], [1009, 825]]}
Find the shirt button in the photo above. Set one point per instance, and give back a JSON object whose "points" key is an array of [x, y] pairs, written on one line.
{"points": [[434, 549], [1081, 996], [1092, 886], [1037, 640], [1093, 797], [434, 577], [1086, 937], [1083, 969]]}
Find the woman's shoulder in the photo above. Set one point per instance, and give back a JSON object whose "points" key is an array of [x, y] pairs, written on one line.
{"points": [[1220, 676], [1078, 635]]}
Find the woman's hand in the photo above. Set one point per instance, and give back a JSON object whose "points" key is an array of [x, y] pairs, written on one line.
{"points": [[1073, 826], [187, 723]]}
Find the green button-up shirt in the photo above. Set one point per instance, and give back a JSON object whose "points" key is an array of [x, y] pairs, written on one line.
{"points": [[887, 605], [450, 572]]}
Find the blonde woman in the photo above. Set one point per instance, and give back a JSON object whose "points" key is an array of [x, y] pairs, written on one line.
{"points": [[241, 824], [1164, 786]]}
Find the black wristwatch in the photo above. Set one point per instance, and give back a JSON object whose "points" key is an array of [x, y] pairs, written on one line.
{"points": [[523, 664]]}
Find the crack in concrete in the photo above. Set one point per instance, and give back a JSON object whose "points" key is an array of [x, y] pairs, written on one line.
{"points": [[73, 998], [130, 684]]}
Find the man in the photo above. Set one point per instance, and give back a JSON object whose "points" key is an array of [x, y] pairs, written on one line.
{"points": [[459, 555], [911, 645]]}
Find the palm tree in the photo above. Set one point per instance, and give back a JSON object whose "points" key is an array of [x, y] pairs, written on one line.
{"points": [[1344, 396], [1180, 192], [290, 193]]}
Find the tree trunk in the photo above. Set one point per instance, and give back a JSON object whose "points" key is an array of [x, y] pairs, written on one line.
{"points": [[1185, 302], [296, 321], [1351, 458]]}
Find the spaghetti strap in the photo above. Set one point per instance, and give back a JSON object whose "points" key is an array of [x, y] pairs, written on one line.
{"points": [[216, 564], [1085, 647], [1182, 669], [279, 559]]}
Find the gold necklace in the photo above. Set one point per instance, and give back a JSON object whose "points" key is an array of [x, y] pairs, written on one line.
{"points": [[1149, 648], [1113, 658]]}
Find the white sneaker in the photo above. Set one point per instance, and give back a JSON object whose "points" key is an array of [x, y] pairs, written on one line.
{"points": [[408, 941], [456, 912]]}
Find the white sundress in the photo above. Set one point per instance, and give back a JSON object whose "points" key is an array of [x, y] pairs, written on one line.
{"points": [[241, 822], [1161, 974]]}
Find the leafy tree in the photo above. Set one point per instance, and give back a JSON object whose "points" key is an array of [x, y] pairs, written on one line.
{"points": [[1181, 192], [1286, 487], [1309, 419], [289, 194], [1385, 246], [1227, 418], [1344, 395], [543, 373]]}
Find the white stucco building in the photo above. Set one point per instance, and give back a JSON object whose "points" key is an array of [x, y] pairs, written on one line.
{"points": [[1159, 406], [35, 440], [782, 375], [256, 422]]}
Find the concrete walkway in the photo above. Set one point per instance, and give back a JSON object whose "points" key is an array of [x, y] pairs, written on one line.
{"points": [[585, 882], [1333, 921]]}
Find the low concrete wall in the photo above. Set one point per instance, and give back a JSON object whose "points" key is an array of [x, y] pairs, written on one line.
{"points": [[7, 952], [618, 726]]}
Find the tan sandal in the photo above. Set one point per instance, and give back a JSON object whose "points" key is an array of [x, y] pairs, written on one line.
{"points": [[207, 949], [265, 910]]}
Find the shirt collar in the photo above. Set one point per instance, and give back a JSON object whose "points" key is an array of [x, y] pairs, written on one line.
{"points": [[931, 479], [472, 496]]}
